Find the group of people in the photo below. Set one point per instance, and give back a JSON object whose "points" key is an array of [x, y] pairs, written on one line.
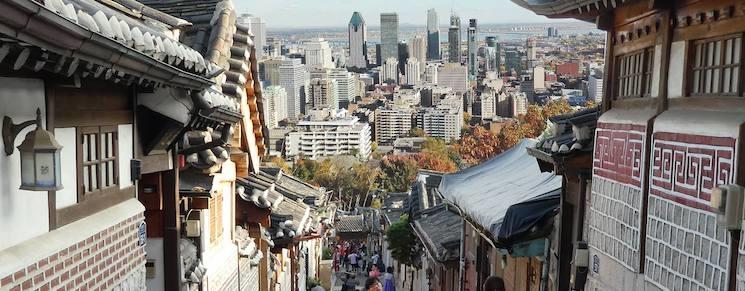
{"points": [[353, 258]]}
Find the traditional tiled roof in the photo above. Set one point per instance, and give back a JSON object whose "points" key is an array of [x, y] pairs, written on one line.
{"points": [[259, 190], [289, 219], [350, 223], [439, 229], [424, 192], [226, 43], [580, 9], [118, 41], [393, 206], [573, 132], [293, 187]]}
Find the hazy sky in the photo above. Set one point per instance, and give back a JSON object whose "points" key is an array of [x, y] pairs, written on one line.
{"points": [[319, 13]]}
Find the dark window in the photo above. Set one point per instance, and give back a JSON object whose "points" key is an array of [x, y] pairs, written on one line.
{"points": [[715, 68]]}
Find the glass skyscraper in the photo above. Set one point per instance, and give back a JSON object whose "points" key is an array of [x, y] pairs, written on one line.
{"points": [[389, 35], [433, 35]]}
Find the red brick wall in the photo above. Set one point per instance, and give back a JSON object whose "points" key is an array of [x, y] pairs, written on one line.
{"points": [[99, 262]]}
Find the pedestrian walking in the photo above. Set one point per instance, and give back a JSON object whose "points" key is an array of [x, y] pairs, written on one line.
{"points": [[389, 284], [372, 284], [354, 261]]}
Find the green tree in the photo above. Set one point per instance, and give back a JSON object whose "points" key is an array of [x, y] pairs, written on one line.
{"points": [[417, 132], [403, 243]]}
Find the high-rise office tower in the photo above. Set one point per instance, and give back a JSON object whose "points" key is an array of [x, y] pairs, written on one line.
{"points": [[389, 71], [473, 61], [433, 35], [318, 54], [530, 53], [292, 77], [493, 42], [270, 70], [418, 49], [258, 28], [378, 53], [357, 41], [346, 86], [454, 39], [388, 36], [323, 94], [413, 72], [403, 55]]}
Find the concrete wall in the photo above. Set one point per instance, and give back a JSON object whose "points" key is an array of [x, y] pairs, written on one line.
{"points": [[154, 251], [23, 214]]}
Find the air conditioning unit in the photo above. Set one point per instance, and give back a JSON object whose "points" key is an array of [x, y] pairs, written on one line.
{"points": [[728, 202], [581, 262], [193, 228]]}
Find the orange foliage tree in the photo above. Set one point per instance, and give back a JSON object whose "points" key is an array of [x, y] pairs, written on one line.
{"points": [[479, 144]]}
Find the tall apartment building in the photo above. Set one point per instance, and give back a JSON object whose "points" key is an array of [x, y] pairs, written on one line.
{"points": [[346, 86], [318, 54], [530, 49], [519, 104], [388, 36], [323, 94], [473, 61], [444, 121], [275, 105], [357, 41], [453, 75], [418, 50], [595, 86], [292, 77], [332, 137], [430, 74], [489, 103], [454, 38], [389, 71], [493, 42], [392, 123], [413, 72], [433, 36]]}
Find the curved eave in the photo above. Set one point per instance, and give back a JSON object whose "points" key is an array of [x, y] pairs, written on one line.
{"points": [[578, 9], [29, 22]]}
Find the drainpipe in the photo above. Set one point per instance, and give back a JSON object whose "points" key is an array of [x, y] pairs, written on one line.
{"points": [[546, 263]]}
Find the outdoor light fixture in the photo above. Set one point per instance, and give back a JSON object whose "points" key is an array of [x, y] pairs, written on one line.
{"points": [[40, 155]]}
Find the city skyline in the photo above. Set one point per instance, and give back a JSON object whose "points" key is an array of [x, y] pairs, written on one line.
{"points": [[296, 14]]}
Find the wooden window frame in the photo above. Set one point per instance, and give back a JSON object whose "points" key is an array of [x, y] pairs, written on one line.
{"points": [[99, 160], [692, 66], [216, 216], [646, 60]]}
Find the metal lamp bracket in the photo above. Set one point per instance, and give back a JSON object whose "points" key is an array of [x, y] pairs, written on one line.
{"points": [[11, 130]]}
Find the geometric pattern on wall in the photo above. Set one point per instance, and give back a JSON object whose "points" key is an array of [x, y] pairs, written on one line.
{"points": [[686, 249]]}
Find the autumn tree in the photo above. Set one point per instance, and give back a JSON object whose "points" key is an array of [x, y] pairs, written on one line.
{"points": [[417, 132], [397, 172], [478, 144]]}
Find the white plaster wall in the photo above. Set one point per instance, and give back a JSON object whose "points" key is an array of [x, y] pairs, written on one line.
{"points": [[677, 69], [23, 214], [68, 159], [154, 251], [657, 66], [126, 151]]}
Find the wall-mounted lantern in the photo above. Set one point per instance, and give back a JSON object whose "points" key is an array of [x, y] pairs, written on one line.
{"points": [[40, 155]]}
